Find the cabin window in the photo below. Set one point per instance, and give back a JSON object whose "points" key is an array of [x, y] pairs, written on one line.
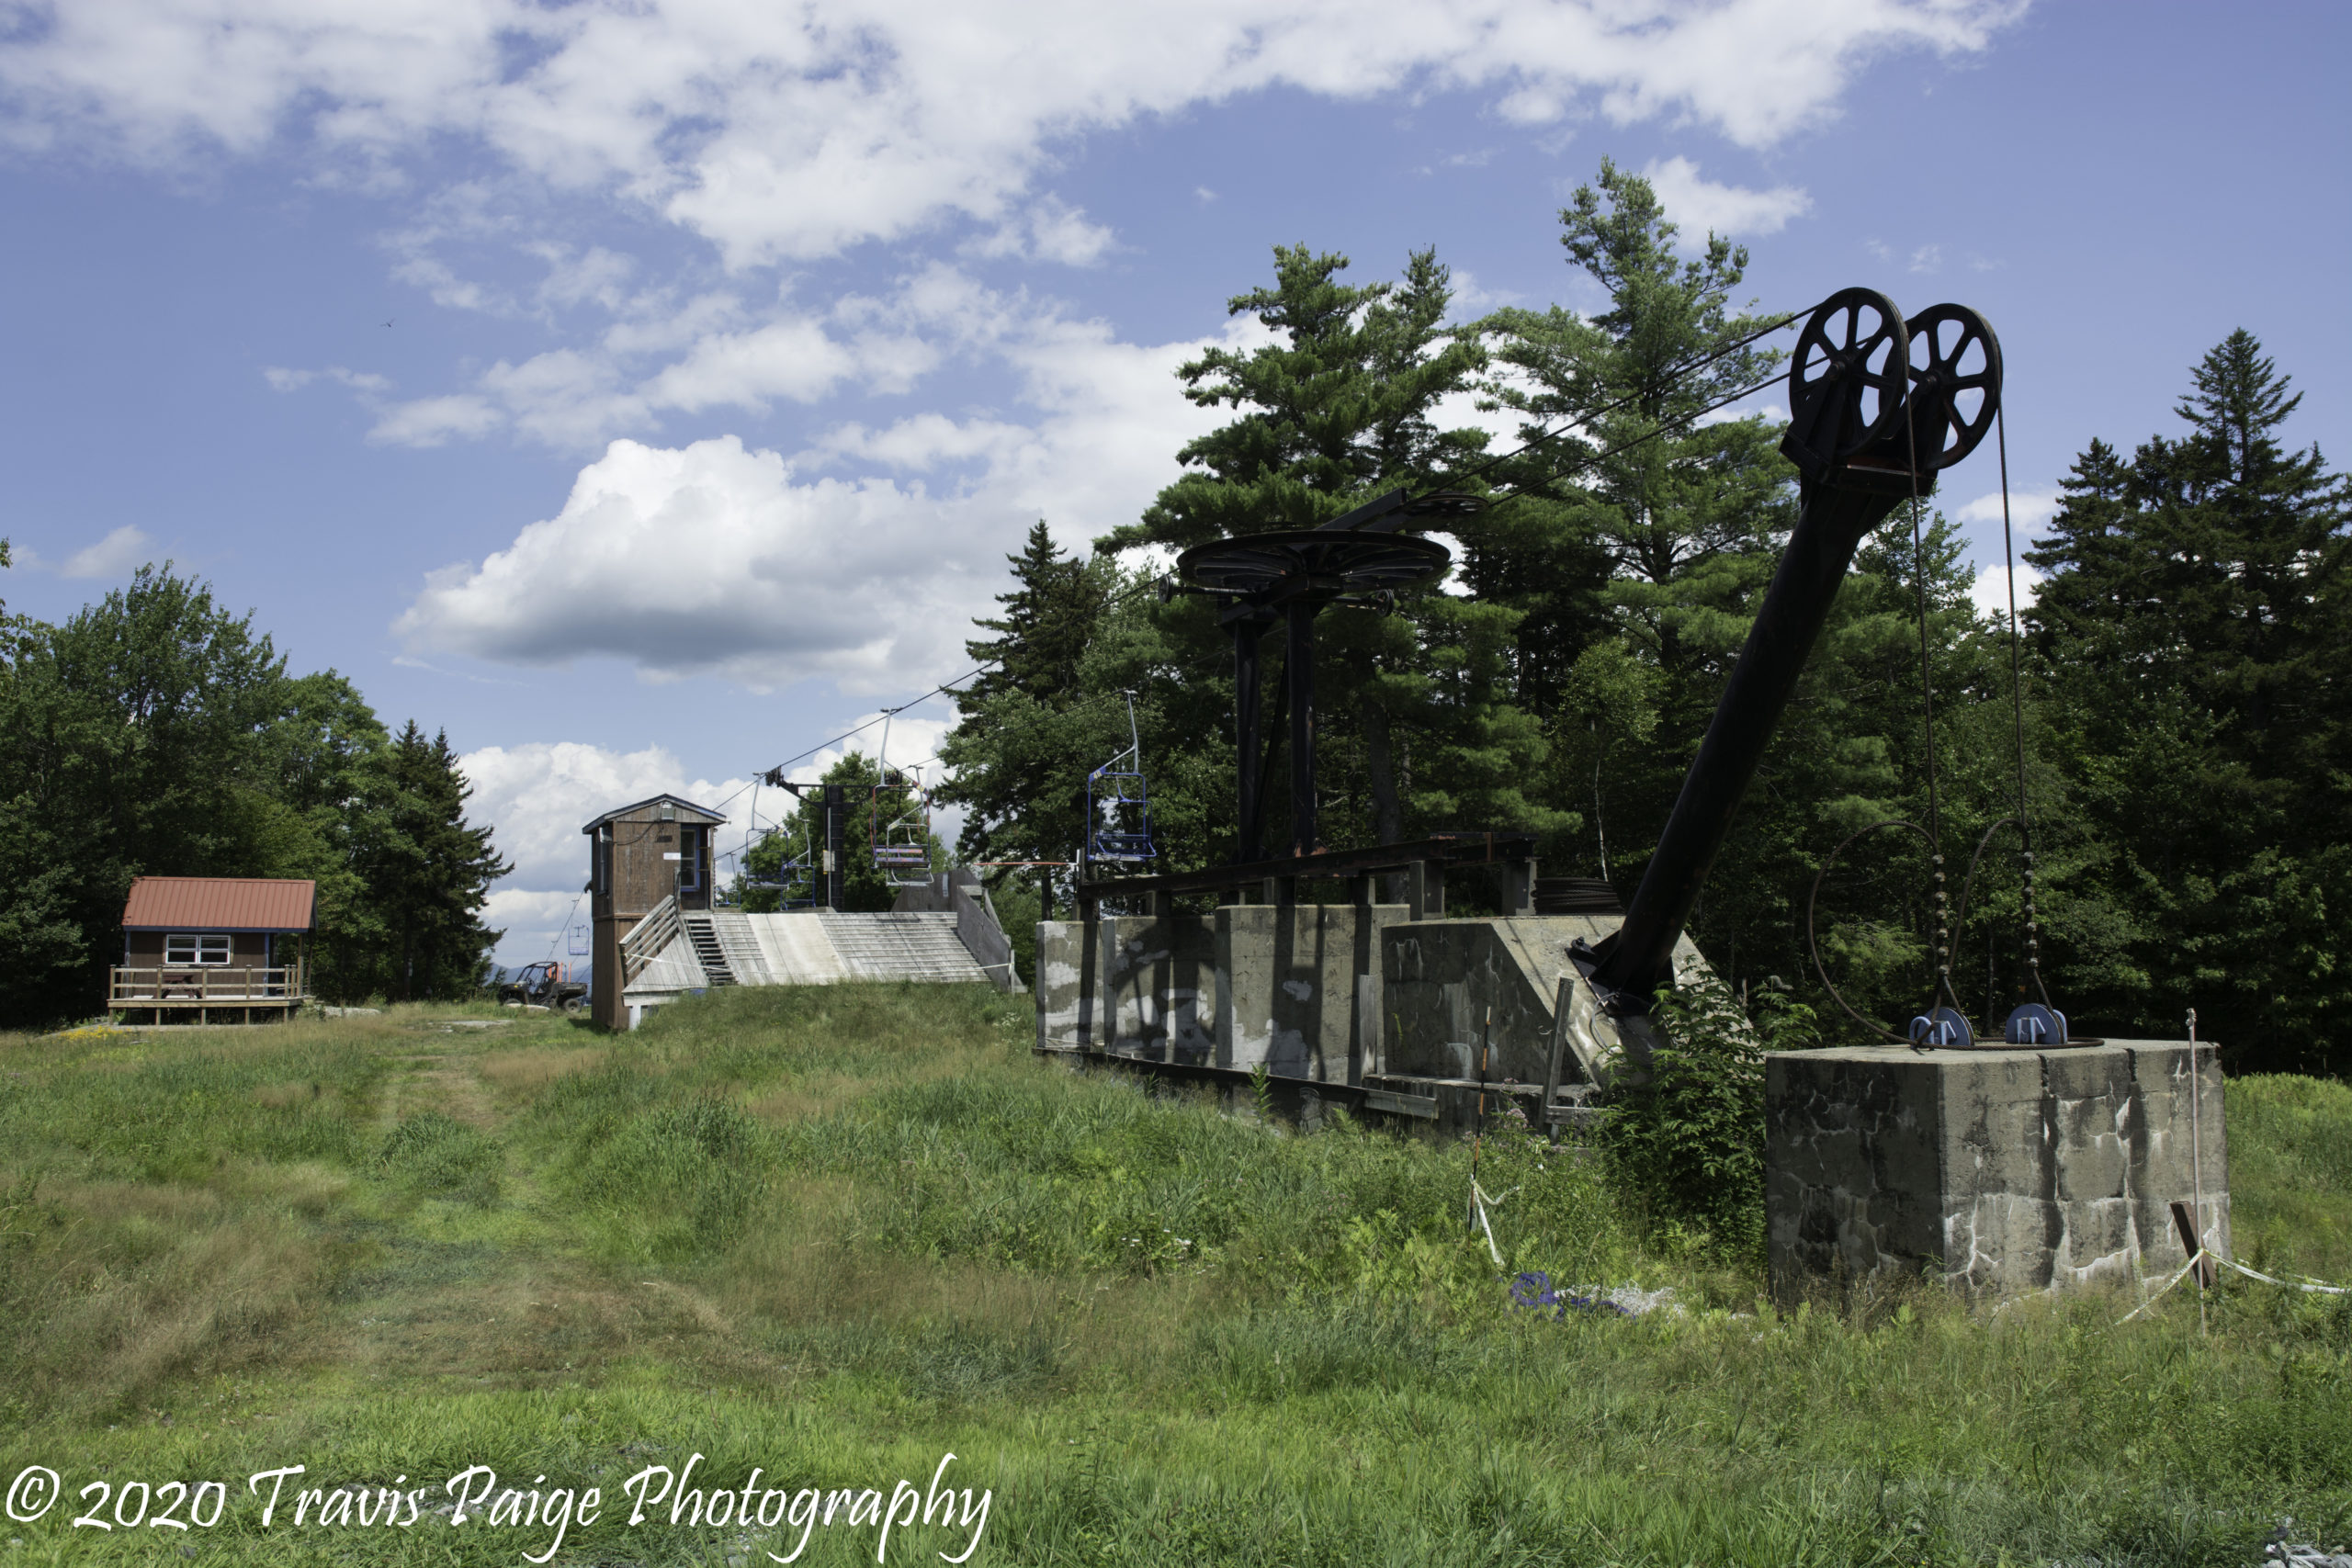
{"points": [[207, 947], [604, 858], [689, 859]]}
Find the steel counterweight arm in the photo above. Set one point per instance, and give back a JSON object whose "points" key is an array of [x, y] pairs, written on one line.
{"points": [[1835, 517]]}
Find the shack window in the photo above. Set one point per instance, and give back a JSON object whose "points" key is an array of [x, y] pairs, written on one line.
{"points": [[602, 859], [206, 947], [689, 859]]}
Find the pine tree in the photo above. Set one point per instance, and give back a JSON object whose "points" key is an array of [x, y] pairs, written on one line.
{"points": [[1418, 728], [2197, 602], [426, 873], [1027, 727]]}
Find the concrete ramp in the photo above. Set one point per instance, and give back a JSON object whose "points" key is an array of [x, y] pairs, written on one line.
{"points": [[912, 945], [809, 948], [795, 950]]}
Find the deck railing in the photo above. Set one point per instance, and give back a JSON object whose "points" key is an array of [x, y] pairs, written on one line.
{"points": [[199, 984], [648, 937]]}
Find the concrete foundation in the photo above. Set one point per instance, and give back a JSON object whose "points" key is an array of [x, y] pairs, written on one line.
{"points": [[1289, 986], [1352, 994], [1441, 978], [1996, 1170]]}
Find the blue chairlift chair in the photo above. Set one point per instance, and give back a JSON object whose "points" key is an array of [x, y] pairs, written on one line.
{"points": [[1118, 803]]}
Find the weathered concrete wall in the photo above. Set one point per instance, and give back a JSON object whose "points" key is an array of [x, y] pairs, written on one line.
{"points": [[1069, 987], [2001, 1171], [1441, 976], [1160, 987], [1293, 986], [1298, 987]]}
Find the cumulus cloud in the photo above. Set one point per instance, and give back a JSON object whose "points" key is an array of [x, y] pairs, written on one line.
{"points": [[717, 557], [1701, 206], [117, 553], [713, 557], [1991, 590], [2028, 509], [776, 132]]}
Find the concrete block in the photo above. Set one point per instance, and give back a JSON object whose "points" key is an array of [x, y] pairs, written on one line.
{"points": [[1069, 986], [1996, 1170], [1440, 977], [1288, 987], [1158, 986]]}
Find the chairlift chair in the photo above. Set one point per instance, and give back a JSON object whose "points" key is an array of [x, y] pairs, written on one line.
{"points": [[1118, 803], [575, 941], [899, 821], [795, 878]]}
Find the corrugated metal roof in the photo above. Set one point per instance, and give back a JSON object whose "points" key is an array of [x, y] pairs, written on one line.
{"points": [[688, 811], [220, 904]]}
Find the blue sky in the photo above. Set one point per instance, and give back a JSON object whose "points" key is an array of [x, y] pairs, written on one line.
{"points": [[644, 392]]}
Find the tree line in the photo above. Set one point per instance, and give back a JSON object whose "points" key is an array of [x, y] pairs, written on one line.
{"points": [[2181, 675], [155, 733]]}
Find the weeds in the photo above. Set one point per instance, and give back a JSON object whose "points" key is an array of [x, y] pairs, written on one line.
{"points": [[836, 1233]]}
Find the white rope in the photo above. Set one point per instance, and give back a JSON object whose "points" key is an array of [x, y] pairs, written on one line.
{"points": [[1479, 1199], [2316, 1287], [2286, 1284], [2152, 1300]]}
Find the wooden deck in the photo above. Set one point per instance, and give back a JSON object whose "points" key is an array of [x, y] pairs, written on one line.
{"points": [[174, 992]]}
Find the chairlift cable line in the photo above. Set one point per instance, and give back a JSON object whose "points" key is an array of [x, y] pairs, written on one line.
{"points": [[1672, 376], [1651, 435]]}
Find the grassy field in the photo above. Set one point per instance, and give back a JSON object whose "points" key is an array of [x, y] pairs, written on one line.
{"points": [[835, 1234]]}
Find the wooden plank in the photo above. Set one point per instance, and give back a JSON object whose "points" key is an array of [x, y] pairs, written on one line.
{"points": [[2206, 1272], [1422, 1105]]}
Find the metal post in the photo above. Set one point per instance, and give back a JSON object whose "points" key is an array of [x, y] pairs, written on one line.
{"points": [[1298, 671], [1246, 699], [836, 879]]}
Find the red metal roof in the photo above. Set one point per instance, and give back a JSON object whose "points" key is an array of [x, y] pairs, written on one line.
{"points": [[219, 904]]}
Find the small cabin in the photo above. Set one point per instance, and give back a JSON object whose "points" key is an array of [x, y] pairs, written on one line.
{"points": [[212, 949], [640, 858]]}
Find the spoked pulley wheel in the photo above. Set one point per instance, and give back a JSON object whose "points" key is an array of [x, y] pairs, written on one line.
{"points": [[1846, 380], [1955, 364]]}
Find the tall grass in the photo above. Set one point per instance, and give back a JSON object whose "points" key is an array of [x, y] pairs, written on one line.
{"points": [[834, 1233]]}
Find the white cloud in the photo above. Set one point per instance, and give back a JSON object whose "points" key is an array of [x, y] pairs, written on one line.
{"points": [[776, 132], [1927, 259], [1991, 590], [713, 557], [282, 379], [429, 422], [661, 358], [113, 556], [2028, 509], [1700, 207]]}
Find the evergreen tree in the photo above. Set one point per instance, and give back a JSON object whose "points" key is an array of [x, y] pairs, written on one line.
{"points": [[1660, 548], [1417, 726], [426, 873], [1028, 727], [2195, 601]]}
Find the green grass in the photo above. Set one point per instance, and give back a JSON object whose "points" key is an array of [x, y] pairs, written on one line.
{"points": [[835, 1233]]}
